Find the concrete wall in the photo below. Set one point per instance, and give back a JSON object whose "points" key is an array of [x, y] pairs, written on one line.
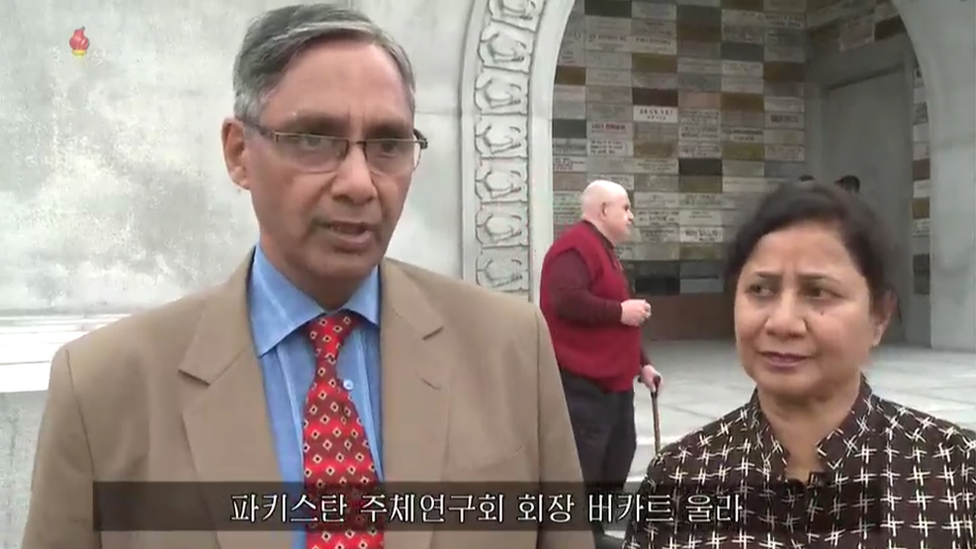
{"points": [[114, 192], [945, 45]]}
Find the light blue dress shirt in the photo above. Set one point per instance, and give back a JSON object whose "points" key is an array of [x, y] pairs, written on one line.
{"points": [[278, 313]]}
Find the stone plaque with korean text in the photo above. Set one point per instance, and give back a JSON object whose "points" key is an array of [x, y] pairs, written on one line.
{"points": [[565, 208], [700, 66], [700, 218], [660, 115], [568, 181], [612, 25], [784, 121], [659, 233], [738, 84], [702, 234], [742, 69], [705, 201], [783, 104], [703, 50], [606, 147], [786, 153], [649, 132], [652, 44], [572, 55], [569, 164], [561, 92], [657, 183], [742, 34], [650, 200], [609, 112], [653, 165], [610, 130], [610, 94], [615, 61], [569, 147], [744, 18], [745, 185], [601, 41], [792, 21], [699, 149], [651, 10], [693, 82], [698, 132], [656, 218], [654, 80], [785, 6], [742, 135], [624, 180], [601, 77]]}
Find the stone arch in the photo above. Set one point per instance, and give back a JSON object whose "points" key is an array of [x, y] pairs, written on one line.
{"points": [[506, 136], [506, 161]]}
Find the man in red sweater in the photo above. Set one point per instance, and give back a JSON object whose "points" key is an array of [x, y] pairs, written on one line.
{"points": [[596, 332]]}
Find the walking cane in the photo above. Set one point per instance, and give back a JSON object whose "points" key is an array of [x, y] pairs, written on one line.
{"points": [[657, 420]]}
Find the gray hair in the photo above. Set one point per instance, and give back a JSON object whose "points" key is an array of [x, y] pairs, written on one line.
{"points": [[275, 38]]}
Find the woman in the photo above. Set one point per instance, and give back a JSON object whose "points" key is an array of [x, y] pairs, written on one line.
{"points": [[814, 459]]}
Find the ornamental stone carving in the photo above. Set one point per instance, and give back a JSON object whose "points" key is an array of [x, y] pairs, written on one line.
{"points": [[501, 221]]}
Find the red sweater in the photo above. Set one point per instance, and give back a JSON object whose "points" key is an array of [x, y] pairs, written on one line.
{"points": [[609, 354]]}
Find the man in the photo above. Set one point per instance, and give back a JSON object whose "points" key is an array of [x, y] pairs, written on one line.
{"points": [[436, 380], [596, 331], [850, 183]]}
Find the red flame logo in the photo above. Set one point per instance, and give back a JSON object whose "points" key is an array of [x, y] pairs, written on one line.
{"points": [[79, 42]]}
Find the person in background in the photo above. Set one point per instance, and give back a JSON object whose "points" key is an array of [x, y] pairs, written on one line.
{"points": [[596, 331], [319, 362], [849, 183], [815, 458]]}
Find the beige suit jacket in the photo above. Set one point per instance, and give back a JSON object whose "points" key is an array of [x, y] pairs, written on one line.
{"points": [[470, 392]]}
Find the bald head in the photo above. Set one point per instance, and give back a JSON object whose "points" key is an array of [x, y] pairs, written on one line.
{"points": [[606, 206], [597, 194]]}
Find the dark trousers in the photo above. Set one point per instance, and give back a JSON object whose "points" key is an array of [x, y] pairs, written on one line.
{"points": [[606, 436]]}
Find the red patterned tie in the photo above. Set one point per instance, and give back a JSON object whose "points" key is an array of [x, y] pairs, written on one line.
{"points": [[336, 452]]}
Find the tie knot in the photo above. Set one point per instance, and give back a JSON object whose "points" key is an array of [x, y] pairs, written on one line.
{"points": [[329, 331]]}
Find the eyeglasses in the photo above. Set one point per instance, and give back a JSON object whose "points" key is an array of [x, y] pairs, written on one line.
{"points": [[324, 153]]}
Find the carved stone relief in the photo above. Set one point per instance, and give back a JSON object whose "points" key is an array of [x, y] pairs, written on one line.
{"points": [[501, 126]]}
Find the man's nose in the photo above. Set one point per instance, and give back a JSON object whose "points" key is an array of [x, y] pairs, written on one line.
{"points": [[354, 179]]}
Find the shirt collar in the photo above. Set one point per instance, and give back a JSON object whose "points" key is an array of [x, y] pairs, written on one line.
{"points": [[278, 308], [835, 449]]}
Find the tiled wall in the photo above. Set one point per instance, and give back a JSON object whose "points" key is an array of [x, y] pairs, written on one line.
{"points": [[839, 26], [694, 105], [922, 186], [844, 25]]}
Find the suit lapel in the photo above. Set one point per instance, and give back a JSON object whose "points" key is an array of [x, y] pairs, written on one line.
{"points": [[226, 415], [415, 377]]}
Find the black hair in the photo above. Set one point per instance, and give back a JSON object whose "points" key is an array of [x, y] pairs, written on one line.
{"points": [[849, 183], [806, 178], [863, 232]]}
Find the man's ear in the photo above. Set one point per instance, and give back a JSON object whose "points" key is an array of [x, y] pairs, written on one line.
{"points": [[235, 152]]}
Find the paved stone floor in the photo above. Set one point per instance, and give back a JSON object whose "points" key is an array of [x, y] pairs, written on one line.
{"points": [[702, 381]]}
